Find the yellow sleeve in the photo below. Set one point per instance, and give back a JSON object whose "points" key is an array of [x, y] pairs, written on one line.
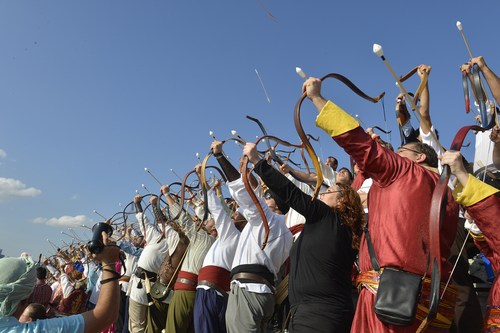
{"points": [[335, 121], [475, 191]]}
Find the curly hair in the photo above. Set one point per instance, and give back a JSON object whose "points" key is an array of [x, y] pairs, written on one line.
{"points": [[351, 212]]}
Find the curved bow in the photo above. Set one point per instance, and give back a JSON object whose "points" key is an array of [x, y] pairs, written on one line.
{"points": [[183, 194], [204, 163], [276, 158], [437, 213], [381, 130], [303, 136], [420, 88], [245, 175]]}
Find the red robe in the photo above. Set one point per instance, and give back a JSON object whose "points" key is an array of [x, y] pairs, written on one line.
{"points": [[399, 205], [486, 215], [483, 205]]}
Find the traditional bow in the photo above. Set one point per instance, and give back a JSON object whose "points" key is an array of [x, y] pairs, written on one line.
{"points": [[479, 94], [416, 97], [381, 130], [245, 175], [303, 136], [276, 158], [183, 196], [437, 214]]}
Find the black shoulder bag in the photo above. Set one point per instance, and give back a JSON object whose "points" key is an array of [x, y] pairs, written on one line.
{"points": [[398, 292]]}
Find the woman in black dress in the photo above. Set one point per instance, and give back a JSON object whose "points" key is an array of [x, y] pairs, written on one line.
{"points": [[322, 257]]}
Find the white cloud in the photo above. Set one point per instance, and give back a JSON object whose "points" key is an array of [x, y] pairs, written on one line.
{"points": [[64, 221], [10, 188], [3, 154]]}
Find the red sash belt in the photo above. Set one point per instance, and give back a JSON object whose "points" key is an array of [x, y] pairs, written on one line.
{"points": [[370, 280], [186, 281], [216, 275]]}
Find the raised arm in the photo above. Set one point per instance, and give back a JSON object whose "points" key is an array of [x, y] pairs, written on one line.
{"points": [[229, 170], [282, 186], [308, 178], [223, 222], [425, 117], [489, 75], [381, 164], [454, 160], [106, 309], [184, 220]]}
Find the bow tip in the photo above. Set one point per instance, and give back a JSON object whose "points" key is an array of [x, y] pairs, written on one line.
{"points": [[379, 97]]}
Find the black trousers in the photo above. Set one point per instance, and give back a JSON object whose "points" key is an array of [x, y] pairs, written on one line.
{"points": [[317, 317]]}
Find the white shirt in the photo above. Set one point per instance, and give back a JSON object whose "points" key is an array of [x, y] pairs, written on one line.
{"points": [[67, 286], [249, 249], [94, 296], [130, 266], [365, 188], [329, 175], [152, 255], [429, 140], [199, 242], [222, 251], [483, 155]]}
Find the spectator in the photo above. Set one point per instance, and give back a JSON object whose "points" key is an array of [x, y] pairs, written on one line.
{"points": [[42, 292], [33, 312], [18, 278]]}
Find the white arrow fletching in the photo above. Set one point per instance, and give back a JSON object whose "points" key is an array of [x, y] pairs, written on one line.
{"points": [[300, 72], [459, 25], [233, 132], [377, 49]]}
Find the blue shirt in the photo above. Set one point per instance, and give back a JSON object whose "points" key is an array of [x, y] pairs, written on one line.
{"points": [[129, 248], [55, 325]]}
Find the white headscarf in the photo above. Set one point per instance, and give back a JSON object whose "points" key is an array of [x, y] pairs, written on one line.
{"points": [[17, 280]]}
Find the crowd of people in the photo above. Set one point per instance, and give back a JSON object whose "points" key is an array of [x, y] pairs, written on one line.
{"points": [[271, 256]]}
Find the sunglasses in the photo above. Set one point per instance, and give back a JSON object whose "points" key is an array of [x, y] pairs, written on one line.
{"points": [[330, 192], [268, 195], [409, 149]]}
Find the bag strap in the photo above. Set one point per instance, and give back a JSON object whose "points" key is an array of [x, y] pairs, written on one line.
{"points": [[371, 250], [373, 256]]}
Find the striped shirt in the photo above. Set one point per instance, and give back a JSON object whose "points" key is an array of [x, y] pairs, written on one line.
{"points": [[41, 294]]}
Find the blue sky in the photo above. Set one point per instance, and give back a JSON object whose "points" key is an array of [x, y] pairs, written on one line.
{"points": [[91, 92]]}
